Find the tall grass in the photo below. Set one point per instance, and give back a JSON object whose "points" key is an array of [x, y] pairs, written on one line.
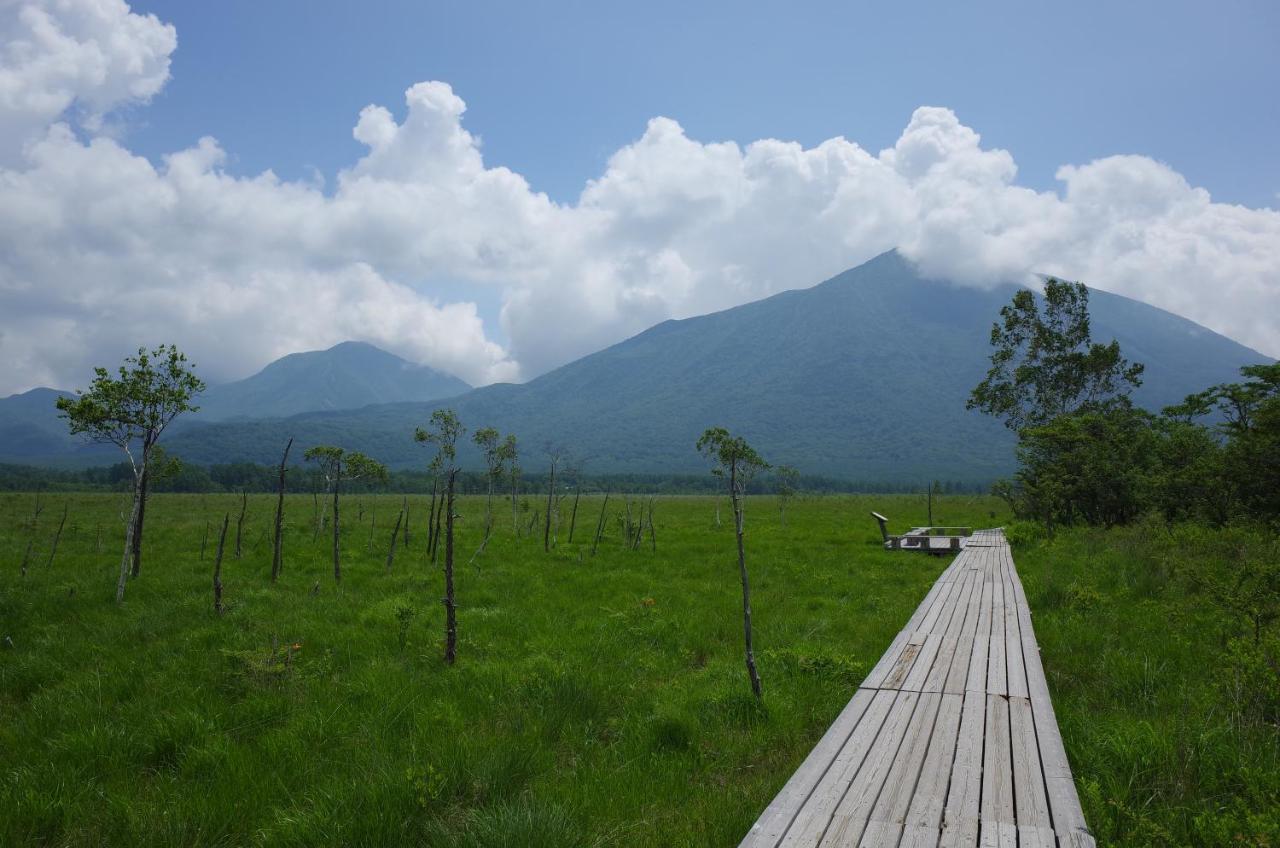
{"points": [[596, 701], [1168, 704]]}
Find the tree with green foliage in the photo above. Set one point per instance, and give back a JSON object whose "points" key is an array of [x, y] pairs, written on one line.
{"points": [[338, 464], [443, 431], [1250, 412], [488, 440], [787, 484], [132, 410], [735, 462], [509, 456], [1045, 363]]}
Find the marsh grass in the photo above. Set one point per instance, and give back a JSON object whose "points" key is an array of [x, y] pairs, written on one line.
{"points": [[597, 700], [1167, 705]]}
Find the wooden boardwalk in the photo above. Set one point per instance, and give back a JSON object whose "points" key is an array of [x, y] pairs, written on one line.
{"points": [[951, 739]]}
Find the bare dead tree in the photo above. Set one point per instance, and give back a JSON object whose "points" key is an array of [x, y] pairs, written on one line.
{"points": [[217, 565], [451, 609], [405, 510], [53, 550], [600, 524], [204, 540], [431, 514], [395, 534], [244, 505], [277, 544], [653, 536]]}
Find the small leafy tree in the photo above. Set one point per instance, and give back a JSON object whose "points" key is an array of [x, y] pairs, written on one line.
{"points": [[1045, 364], [338, 464], [443, 431], [736, 462], [509, 456], [488, 440], [788, 482], [131, 411]]}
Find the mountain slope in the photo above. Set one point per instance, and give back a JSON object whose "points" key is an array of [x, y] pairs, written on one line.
{"points": [[863, 377], [347, 376]]}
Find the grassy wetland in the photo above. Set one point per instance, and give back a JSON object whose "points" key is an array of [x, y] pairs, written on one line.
{"points": [[598, 699]]}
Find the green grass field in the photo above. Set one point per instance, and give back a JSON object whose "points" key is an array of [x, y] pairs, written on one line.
{"points": [[597, 700]]}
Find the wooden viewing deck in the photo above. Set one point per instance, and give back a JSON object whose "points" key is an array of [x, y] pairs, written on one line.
{"points": [[951, 739]]}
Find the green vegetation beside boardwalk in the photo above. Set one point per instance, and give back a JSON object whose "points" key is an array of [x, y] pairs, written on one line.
{"points": [[1162, 649], [596, 700]]}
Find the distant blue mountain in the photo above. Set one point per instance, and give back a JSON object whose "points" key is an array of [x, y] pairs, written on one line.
{"points": [[346, 376], [863, 377]]}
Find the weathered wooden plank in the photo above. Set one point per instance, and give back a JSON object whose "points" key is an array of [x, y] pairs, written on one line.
{"points": [[1064, 801], [964, 795], [1028, 780], [997, 668], [813, 817], [959, 671], [930, 798], [936, 680], [890, 809], [854, 810], [978, 660], [997, 766], [1017, 673], [777, 817]]}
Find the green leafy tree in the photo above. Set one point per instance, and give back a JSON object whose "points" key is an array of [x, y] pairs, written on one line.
{"points": [[132, 410], [488, 439], [443, 432], [509, 456], [1088, 467], [735, 462], [1045, 363], [788, 483], [338, 465]]}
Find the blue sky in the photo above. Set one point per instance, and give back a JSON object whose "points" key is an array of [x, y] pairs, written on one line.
{"points": [[553, 89], [497, 189]]}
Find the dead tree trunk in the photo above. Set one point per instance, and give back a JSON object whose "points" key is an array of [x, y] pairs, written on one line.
{"points": [[142, 516], [600, 524], [431, 516], [756, 687], [373, 523], [277, 545], [315, 514], [395, 534], [57, 536], [204, 540], [653, 536], [573, 518], [450, 609], [244, 505], [337, 556], [405, 510], [217, 566], [551, 490]]}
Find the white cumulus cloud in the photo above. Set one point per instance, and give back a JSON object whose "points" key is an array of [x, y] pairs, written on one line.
{"points": [[102, 250]]}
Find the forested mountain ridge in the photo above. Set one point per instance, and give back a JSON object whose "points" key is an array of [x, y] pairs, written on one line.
{"points": [[863, 376]]}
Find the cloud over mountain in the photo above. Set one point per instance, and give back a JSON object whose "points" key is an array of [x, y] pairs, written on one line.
{"points": [[101, 249]]}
